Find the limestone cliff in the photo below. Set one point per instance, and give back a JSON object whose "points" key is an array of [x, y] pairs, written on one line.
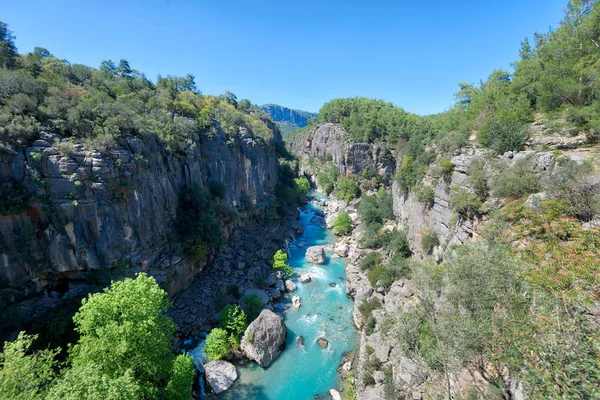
{"points": [[331, 142], [81, 216]]}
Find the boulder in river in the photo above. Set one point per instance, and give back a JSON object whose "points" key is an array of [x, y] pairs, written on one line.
{"points": [[220, 375], [315, 255], [290, 286], [335, 395], [264, 338], [296, 301], [322, 342], [304, 278]]}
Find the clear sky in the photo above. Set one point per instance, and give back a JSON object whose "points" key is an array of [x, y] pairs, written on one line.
{"points": [[295, 53]]}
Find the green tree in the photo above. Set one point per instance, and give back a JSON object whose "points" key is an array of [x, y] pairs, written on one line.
{"points": [[234, 321], [8, 50], [302, 185], [342, 225], [252, 305], [124, 350], [347, 189], [279, 262], [217, 344], [25, 374]]}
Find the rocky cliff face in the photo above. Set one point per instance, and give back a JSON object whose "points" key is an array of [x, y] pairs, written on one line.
{"points": [[87, 215], [419, 219], [288, 118], [331, 141]]}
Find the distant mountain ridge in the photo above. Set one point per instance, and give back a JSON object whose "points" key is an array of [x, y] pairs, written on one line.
{"points": [[288, 119]]}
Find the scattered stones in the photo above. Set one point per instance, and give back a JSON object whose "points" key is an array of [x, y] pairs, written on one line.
{"points": [[315, 255], [220, 375], [301, 244], [301, 341], [241, 265], [322, 342], [279, 285], [304, 278], [296, 301], [290, 286], [264, 338], [333, 284]]}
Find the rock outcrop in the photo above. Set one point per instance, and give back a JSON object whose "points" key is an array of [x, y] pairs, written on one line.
{"points": [[220, 375], [331, 141], [315, 255], [264, 338]]}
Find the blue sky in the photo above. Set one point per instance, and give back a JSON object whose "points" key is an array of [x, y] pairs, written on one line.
{"points": [[295, 53]]}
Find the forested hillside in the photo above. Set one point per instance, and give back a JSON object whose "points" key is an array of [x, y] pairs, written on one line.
{"points": [[98, 106]]}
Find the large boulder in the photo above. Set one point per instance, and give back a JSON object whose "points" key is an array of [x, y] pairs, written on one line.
{"points": [[290, 286], [220, 375], [342, 249], [264, 338], [315, 255]]}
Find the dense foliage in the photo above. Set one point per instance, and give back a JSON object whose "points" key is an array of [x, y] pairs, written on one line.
{"points": [[279, 262], [124, 351], [371, 121], [99, 106], [342, 225]]}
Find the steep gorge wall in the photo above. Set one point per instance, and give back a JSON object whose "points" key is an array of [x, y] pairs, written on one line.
{"points": [[92, 212], [331, 141]]}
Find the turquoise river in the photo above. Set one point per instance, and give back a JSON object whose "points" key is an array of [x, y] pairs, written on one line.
{"points": [[301, 372]]}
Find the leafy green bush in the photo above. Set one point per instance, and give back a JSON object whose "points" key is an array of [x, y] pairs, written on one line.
{"points": [[279, 262], [325, 181], [426, 196], [217, 190], [302, 185], [578, 185], [342, 225], [370, 238], [25, 374], [375, 273], [395, 242], [397, 267], [429, 242], [517, 181], [369, 261], [478, 178], [217, 344], [347, 189], [465, 203], [233, 320], [367, 307], [502, 135], [252, 305], [446, 169]]}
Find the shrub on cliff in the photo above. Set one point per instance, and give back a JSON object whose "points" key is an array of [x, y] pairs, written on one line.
{"points": [[325, 181], [342, 225], [347, 189], [517, 181]]}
